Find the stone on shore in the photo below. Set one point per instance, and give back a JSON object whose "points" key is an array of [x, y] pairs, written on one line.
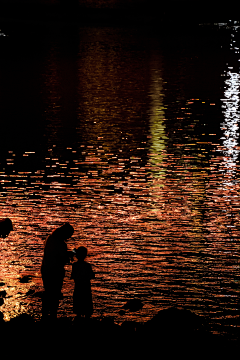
{"points": [[25, 278], [3, 293], [175, 319], [133, 305], [171, 332]]}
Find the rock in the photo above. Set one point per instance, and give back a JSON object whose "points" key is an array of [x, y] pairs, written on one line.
{"points": [[5, 227], [122, 312], [174, 320], [39, 294], [25, 278], [1, 318], [108, 326], [133, 305], [22, 320], [129, 326], [30, 292], [64, 322], [34, 196], [3, 293], [108, 321]]}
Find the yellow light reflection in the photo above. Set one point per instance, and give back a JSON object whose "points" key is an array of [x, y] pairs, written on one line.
{"points": [[157, 125]]}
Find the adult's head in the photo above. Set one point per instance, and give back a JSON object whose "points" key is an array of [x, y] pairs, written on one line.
{"points": [[64, 232], [5, 227], [81, 252]]}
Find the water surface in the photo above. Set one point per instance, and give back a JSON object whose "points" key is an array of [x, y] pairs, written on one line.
{"points": [[132, 136]]}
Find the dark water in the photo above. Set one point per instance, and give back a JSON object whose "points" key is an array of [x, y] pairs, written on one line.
{"points": [[132, 136]]}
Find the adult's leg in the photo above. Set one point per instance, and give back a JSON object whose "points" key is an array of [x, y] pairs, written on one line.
{"points": [[53, 285], [53, 305], [54, 293], [46, 299], [45, 305], [50, 299]]}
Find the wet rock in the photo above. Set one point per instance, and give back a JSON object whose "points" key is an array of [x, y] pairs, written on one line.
{"points": [[175, 321], [3, 293], [25, 278], [5, 227], [74, 205], [25, 320], [108, 327], [63, 323], [88, 330], [39, 294], [133, 305], [1, 318], [30, 292], [108, 321], [81, 322], [34, 196], [122, 312], [129, 326]]}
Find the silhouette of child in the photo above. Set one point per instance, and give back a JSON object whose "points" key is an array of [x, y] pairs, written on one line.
{"points": [[82, 273]]}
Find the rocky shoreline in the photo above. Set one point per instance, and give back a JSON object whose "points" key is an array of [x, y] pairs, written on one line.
{"points": [[172, 331]]}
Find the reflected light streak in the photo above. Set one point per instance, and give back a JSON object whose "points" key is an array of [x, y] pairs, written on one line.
{"points": [[157, 126], [230, 125], [157, 146]]}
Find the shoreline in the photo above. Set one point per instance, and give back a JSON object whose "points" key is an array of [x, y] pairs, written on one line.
{"points": [[171, 329]]}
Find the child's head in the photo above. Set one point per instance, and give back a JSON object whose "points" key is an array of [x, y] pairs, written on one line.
{"points": [[81, 253]]}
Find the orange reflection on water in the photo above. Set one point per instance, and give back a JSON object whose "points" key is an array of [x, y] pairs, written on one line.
{"points": [[137, 174]]}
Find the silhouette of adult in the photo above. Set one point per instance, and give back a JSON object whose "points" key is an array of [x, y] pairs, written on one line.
{"points": [[56, 256], [82, 273], [5, 227]]}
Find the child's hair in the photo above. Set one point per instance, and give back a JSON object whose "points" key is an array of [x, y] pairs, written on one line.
{"points": [[81, 252]]}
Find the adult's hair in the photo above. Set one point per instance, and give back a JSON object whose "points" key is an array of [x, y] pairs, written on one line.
{"points": [[81, 252], [64, 232]]}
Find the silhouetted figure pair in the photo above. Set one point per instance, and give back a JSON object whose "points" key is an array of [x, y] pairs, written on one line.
{"points": [[56, 256], [82, 274], [5, 227]]}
